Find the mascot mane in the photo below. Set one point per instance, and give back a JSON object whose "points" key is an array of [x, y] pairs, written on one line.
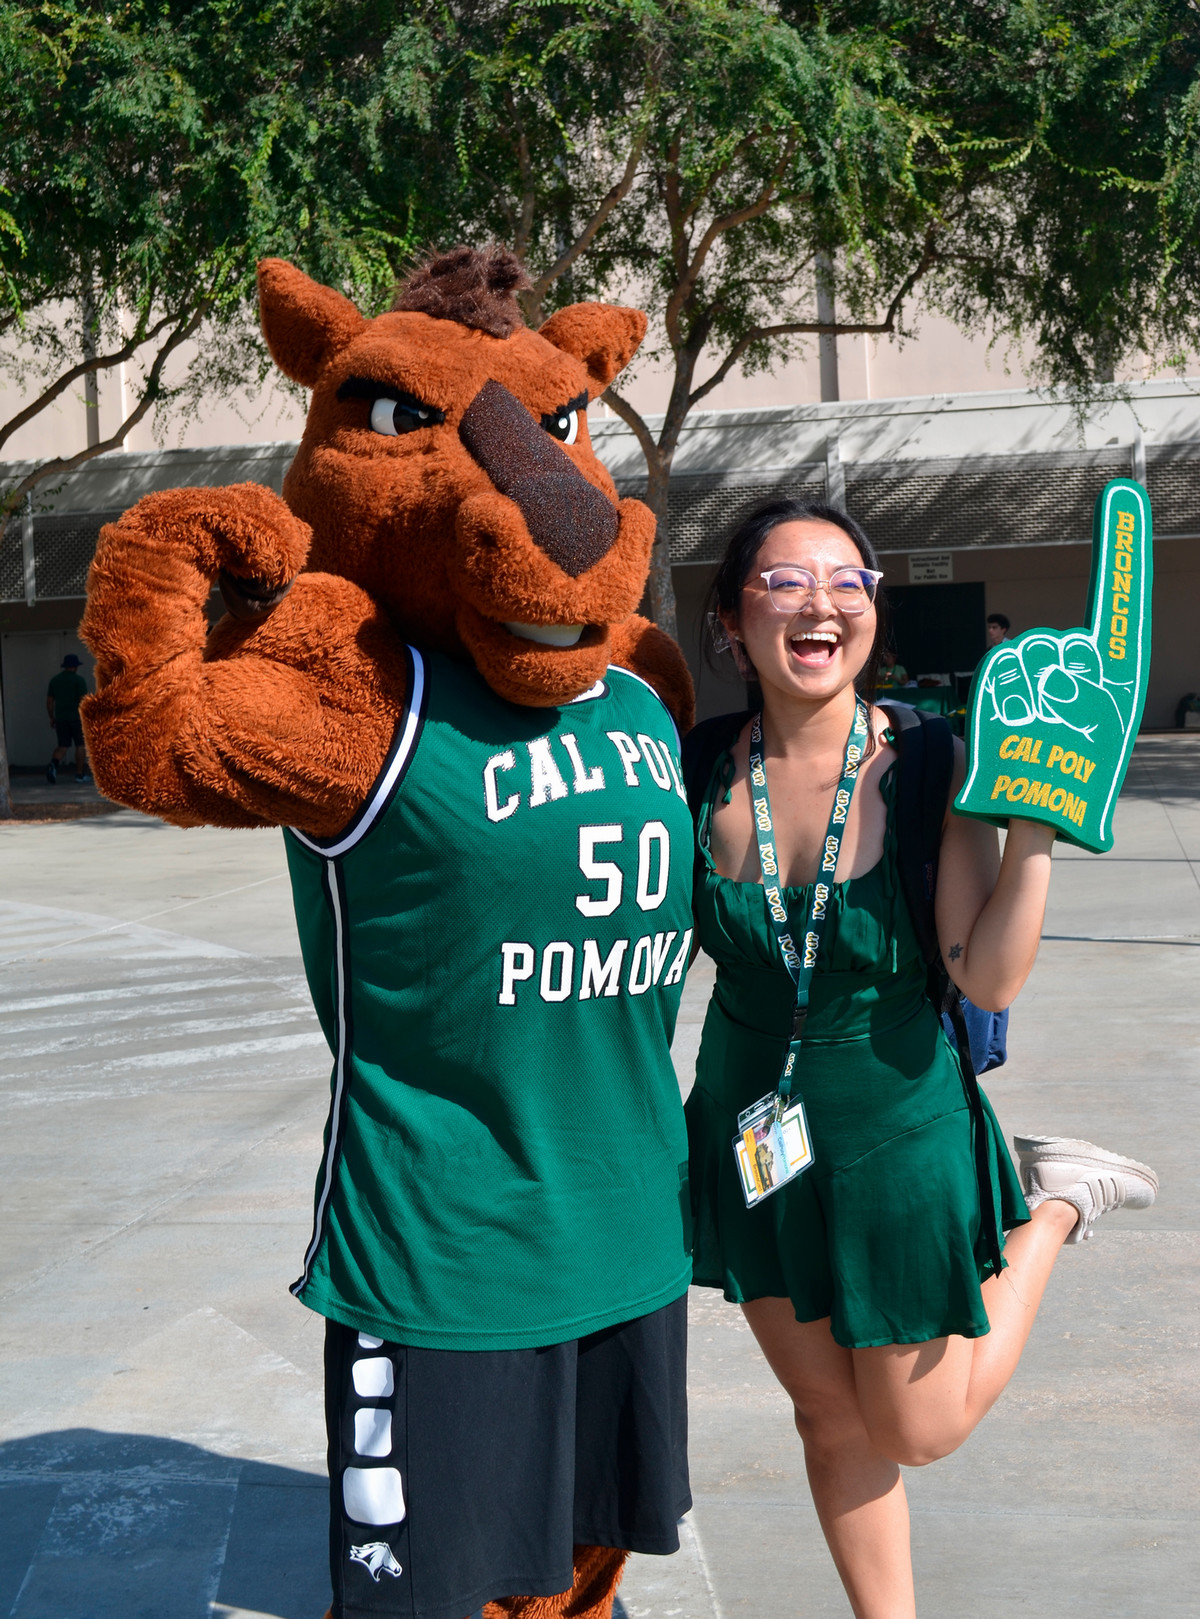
{"points": [[475, 288]]}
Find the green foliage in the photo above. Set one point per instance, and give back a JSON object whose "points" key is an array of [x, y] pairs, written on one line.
{"points": [[1033, 165], [152, 151], [1029, 167], [1063, 183]]}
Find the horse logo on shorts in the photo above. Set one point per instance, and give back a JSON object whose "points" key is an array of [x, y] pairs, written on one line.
{"points": [[376, 1557]]}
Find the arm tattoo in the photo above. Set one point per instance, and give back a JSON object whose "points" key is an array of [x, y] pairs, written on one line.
{"points": [[955, 951]]}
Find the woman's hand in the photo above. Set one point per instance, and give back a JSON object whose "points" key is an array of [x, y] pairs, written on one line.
{"points": [[989, 911]]}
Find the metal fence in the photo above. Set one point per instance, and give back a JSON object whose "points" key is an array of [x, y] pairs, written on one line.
{"points": [[941, 505], [945, 505], [46, 556]]}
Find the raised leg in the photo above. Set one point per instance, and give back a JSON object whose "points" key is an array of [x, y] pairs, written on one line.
{"points": [[597, 1575]]}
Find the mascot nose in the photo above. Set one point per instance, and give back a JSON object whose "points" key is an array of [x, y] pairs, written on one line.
{"points": [[567, 517]]}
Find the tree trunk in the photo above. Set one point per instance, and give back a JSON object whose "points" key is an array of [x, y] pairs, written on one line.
{"points": [[660, 591]]}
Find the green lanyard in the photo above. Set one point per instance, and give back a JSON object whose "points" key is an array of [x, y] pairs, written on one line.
{"points": [[801, 965]]}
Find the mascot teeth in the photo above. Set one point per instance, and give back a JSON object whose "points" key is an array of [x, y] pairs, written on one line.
{"points": [[548, 634]]}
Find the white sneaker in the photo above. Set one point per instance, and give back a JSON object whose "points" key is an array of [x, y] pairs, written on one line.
{"points": [[1093, 1181]]}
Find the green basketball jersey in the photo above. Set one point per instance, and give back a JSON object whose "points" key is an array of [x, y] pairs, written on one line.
{"points": [[496, 946]]}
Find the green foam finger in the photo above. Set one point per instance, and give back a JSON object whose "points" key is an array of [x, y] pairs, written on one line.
{"points": [[1052, 715], [1119, 589]]}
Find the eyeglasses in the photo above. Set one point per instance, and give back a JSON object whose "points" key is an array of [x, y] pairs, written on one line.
{"points": [[851, 590]]}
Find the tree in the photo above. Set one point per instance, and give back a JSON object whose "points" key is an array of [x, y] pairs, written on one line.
{"points": [[150, 153], [1025, 167], [1028, 167]]}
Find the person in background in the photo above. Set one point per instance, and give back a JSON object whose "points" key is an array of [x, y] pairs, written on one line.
{"points": [[891, 672], [63, 696], [997, 629]]}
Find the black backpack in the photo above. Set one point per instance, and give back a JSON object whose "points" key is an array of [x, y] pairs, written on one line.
{"points": [[925, 762]]}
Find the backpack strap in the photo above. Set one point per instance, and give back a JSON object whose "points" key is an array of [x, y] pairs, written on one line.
{"points": [[702, 747], [925, 752], [925, 767]]}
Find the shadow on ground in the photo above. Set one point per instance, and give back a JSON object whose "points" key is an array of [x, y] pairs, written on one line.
{"points": [[116, 1525], [125, 1526]]}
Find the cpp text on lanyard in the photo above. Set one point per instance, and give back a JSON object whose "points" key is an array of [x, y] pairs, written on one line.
{"points": [[773, 1146]]}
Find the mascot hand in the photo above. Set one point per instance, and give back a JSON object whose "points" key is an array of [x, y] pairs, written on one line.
{"points": [[243, 538], [1052, 715], [276, 717]]}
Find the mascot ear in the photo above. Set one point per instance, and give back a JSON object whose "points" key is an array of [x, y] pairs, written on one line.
{"points": [[304, 323], [603, 336]]}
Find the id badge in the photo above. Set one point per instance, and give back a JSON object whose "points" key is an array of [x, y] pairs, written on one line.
{"points": [[770, 1152]]}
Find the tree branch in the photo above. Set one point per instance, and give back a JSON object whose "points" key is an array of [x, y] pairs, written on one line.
{"points": [[150, 393], [719, 226], [886, 326], [615, 194], [98, 362], [740, 150], [528, 196], [632, 418]]}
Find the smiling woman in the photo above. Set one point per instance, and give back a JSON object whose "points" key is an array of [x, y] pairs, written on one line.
{"points": [[746, 564], [849, 1182]]}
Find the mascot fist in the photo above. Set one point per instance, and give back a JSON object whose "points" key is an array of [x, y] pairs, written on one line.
{"points": [[242, 538]]}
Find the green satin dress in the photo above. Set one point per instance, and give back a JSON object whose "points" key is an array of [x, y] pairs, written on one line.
{"points": [[882, 1233]]}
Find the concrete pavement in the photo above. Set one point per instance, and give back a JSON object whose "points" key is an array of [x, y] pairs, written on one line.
{"points": [[163, 1090]]}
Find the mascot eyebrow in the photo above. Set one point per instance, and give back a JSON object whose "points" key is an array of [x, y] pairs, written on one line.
{"points": [[365, 388]]}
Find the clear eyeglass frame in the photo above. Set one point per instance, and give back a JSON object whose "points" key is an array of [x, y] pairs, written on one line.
{"points": [[859, 588]]}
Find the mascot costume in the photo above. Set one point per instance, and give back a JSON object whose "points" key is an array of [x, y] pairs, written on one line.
{"points": [[432, 675]]}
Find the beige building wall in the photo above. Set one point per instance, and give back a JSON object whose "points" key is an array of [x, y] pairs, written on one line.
{"points": [[939, 359]]}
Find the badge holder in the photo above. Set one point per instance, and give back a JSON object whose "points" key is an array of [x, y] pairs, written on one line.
{"points": [[772, 1147]]}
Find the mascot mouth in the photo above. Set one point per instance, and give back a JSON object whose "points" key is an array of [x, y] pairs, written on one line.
{"points": [[529, 671], [548, 634]]}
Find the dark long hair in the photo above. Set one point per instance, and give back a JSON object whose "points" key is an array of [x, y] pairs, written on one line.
{"points": [[748, 539]]}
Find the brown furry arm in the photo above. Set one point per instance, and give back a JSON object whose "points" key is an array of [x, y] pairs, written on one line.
{"points": [[283, 719], [641, 646]]}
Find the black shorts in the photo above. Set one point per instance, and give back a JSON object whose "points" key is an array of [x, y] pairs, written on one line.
{"points": [[459, 1477], [70, 734]]}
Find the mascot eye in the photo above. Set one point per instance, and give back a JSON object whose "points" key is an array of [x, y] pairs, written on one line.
{"points": [[403, 415], [563, 424], [393, 411]]}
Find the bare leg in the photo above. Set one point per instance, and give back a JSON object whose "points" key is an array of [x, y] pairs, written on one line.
{"points": [[857, 1491], [920, 1401], [861, 1412]]}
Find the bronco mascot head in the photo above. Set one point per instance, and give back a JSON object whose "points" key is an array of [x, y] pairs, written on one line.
{"points": [[445, 494], [446, 466]]}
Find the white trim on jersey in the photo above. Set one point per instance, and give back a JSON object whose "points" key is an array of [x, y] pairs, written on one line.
{"points": [[329, 1168], [366, 816], [623, 671], [591, 693]]}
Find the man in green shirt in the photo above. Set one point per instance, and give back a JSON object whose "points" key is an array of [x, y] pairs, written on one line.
{"points": [[63, 696]]}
